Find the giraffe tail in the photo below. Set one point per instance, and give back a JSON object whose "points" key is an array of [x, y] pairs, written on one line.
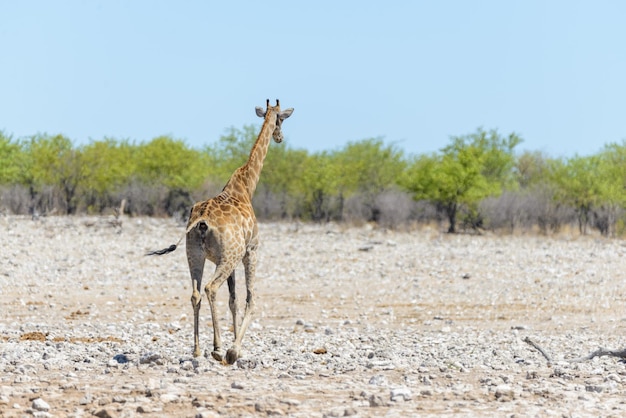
{"points": [[163, 251], [167, 250]]}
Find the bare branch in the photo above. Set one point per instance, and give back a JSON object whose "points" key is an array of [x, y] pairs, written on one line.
{"points": [[601, 352], [538, 348], [598, 353]]}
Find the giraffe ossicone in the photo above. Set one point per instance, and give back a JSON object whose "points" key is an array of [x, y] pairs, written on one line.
{"points": [[224, 230]]}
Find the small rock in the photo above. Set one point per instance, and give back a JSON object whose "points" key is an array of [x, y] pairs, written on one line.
{"points": [[121, 358], [613, 377], [169, 397], [337, 412], [151, 358], [187, 365], [236, 385], [400, 394], [380, 365], [275, 411], [244, 363], [40, 405], [290, 402], [594, 388], [378, 380], [376, 401], [206, 414], [350, 412], [103, 413], [504, 392]]}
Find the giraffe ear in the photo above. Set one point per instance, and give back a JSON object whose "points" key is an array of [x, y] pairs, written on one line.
{"points": [[286, 113], [260, 112]]}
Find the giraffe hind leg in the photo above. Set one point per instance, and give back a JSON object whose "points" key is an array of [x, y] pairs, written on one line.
{"points": [[196, 260], [196, 299]]}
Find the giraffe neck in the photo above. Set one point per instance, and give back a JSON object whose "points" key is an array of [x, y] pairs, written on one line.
{"points": [[245, 179]]}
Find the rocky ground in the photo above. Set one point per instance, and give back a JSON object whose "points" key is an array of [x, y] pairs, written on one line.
{"points": [[351, 322]]}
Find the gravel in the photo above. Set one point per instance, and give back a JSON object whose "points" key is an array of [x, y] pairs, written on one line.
{"points": [[350, 322]]}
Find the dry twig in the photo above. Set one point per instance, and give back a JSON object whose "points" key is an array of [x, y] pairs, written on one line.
{"points": [[598, 353], [601, 352], [538, 348]]}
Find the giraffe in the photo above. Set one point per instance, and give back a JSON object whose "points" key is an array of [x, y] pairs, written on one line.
{"points": [[224, 230]]}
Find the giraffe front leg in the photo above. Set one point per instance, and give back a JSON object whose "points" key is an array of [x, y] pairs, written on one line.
{"points": [[221, 274], [249, 263], [211, 292], [232, 303]]}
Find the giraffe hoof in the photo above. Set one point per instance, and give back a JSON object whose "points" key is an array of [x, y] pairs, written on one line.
{"points": [[217, 355], [197, 352], [232, 355]]}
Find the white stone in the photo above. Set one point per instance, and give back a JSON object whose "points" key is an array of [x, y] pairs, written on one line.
{"points": [[401, 394], [40, 405]]}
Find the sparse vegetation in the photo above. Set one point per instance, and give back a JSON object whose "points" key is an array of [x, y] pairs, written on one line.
{"points": [[477, 182]]}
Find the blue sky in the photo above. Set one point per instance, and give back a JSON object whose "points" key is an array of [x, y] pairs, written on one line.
{"points": [[411, 72]]}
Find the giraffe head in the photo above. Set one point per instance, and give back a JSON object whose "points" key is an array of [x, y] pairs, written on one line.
{"points": [[280, 117]]}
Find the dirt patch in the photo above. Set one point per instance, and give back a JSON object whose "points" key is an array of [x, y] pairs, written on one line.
{"points": [[33, 336]]}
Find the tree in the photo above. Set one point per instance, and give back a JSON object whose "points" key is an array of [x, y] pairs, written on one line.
{"points": [[468, 170], [108, 167], [531, 169], [368, 167], [280, 180], [611, 179], [170, 165], [319, 184], [170, 162], [578, 183], [52, 161], [10, 154]]}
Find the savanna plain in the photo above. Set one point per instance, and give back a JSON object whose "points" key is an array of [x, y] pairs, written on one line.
{"points": [[351, 321]]}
